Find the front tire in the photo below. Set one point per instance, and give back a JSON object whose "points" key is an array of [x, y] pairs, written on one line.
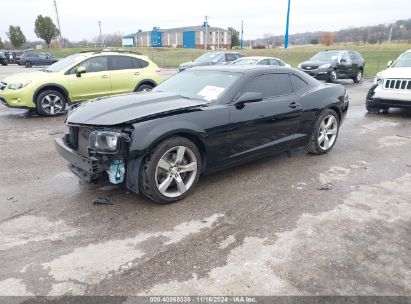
{"points": [[370, 105], [170, 172], [50, 103], [325, 133], [28, 64], [333, 76]]}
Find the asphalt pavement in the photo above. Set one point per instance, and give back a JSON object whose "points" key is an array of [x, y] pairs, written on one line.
{"points": [[298, 224]]}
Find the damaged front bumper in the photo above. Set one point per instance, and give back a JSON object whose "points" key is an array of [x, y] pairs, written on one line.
{"points": [[379, 96], [86, 168]]}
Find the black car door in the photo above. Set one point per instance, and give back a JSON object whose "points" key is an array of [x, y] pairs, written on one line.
{"points": [[267, 125], [344, 67], [354, 64]]}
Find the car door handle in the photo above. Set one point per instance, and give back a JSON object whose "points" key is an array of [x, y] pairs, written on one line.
{"points": [[137, 73], [294, 105], [104, 76]]}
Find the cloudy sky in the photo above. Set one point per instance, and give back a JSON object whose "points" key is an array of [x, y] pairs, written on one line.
{"points": [[79, 18]]}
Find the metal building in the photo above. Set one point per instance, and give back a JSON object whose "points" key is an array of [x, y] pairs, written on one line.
{"points": [[190, 37]]}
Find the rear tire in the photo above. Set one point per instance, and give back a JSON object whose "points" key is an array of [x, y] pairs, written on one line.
{"points": [[144, 88], [325, 133], [50, 103], [171, 170], [28, 64]]}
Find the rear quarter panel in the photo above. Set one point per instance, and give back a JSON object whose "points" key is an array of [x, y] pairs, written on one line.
{"points": [[319, 98]]}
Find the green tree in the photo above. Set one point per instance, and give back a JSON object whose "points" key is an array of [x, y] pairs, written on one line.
{"points": [[1, 44], [235, 37], [16, 36], [45, 29]]}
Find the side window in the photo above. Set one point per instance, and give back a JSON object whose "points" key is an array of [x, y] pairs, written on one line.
{"points": [[263, 62], [230, 57], [139, 63], [275, 62], [270, 85], [92, 65], [352, 56], [121, 63], [344, 55], [298, 83]]}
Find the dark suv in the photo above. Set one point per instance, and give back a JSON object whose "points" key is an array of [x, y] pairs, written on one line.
{"points": [[211, 58], [334, 65], [40, 59], [3, 58]]}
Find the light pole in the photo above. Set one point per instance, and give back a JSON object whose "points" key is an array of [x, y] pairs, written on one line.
{"points": [[389, 38], [242, 31], [286, 27], [101, 37], [206, 35], [58, 22]]}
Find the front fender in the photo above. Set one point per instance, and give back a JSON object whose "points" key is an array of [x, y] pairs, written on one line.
{"points": [[147, 134]]}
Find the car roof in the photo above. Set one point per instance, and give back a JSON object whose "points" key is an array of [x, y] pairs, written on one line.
{"points": [[242, 68], [258, 57]]}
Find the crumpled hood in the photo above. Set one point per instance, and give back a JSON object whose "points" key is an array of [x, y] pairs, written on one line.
{"points": [[21, 77], [396, 73], [124, 108]]}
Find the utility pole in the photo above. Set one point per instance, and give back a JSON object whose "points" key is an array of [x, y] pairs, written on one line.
{"points": [[206, 36], [242, 31], [286, 27], [101, 37], [58, 22]]}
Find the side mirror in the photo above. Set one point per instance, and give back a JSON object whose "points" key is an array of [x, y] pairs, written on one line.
{"points": [[249, 97], [80, 70], [342, 60], [389, 63]]}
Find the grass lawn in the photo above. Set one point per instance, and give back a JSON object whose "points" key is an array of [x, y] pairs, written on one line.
{"points": [[376, 56]]}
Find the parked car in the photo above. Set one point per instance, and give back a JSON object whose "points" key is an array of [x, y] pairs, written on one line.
{"points": [[3, 58], [260, 60], [30, 59], [211, 58], [199, 121], [392, 87], [17, 55], [334, 65], [78, 78]]}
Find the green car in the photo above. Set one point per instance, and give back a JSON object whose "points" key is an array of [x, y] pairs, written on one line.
{"points": [[77, 78]]}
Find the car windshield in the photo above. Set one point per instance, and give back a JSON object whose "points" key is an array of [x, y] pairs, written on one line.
{"points": [[65, 63], [404, 61], [245, 61], [203, 85], [325, 56], [208, 57]]}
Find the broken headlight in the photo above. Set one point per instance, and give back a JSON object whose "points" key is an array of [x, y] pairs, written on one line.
{"points": [[105, 141]]}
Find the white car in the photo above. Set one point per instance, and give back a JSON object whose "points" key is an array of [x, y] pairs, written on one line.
{"points": [[392, 87], [260, 60]]}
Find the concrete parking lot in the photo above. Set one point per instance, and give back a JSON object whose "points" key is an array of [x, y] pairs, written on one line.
{"points": [[298, 224]]}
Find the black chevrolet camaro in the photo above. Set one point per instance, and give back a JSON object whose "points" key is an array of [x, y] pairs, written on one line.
{"points": [[200, 121]]}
